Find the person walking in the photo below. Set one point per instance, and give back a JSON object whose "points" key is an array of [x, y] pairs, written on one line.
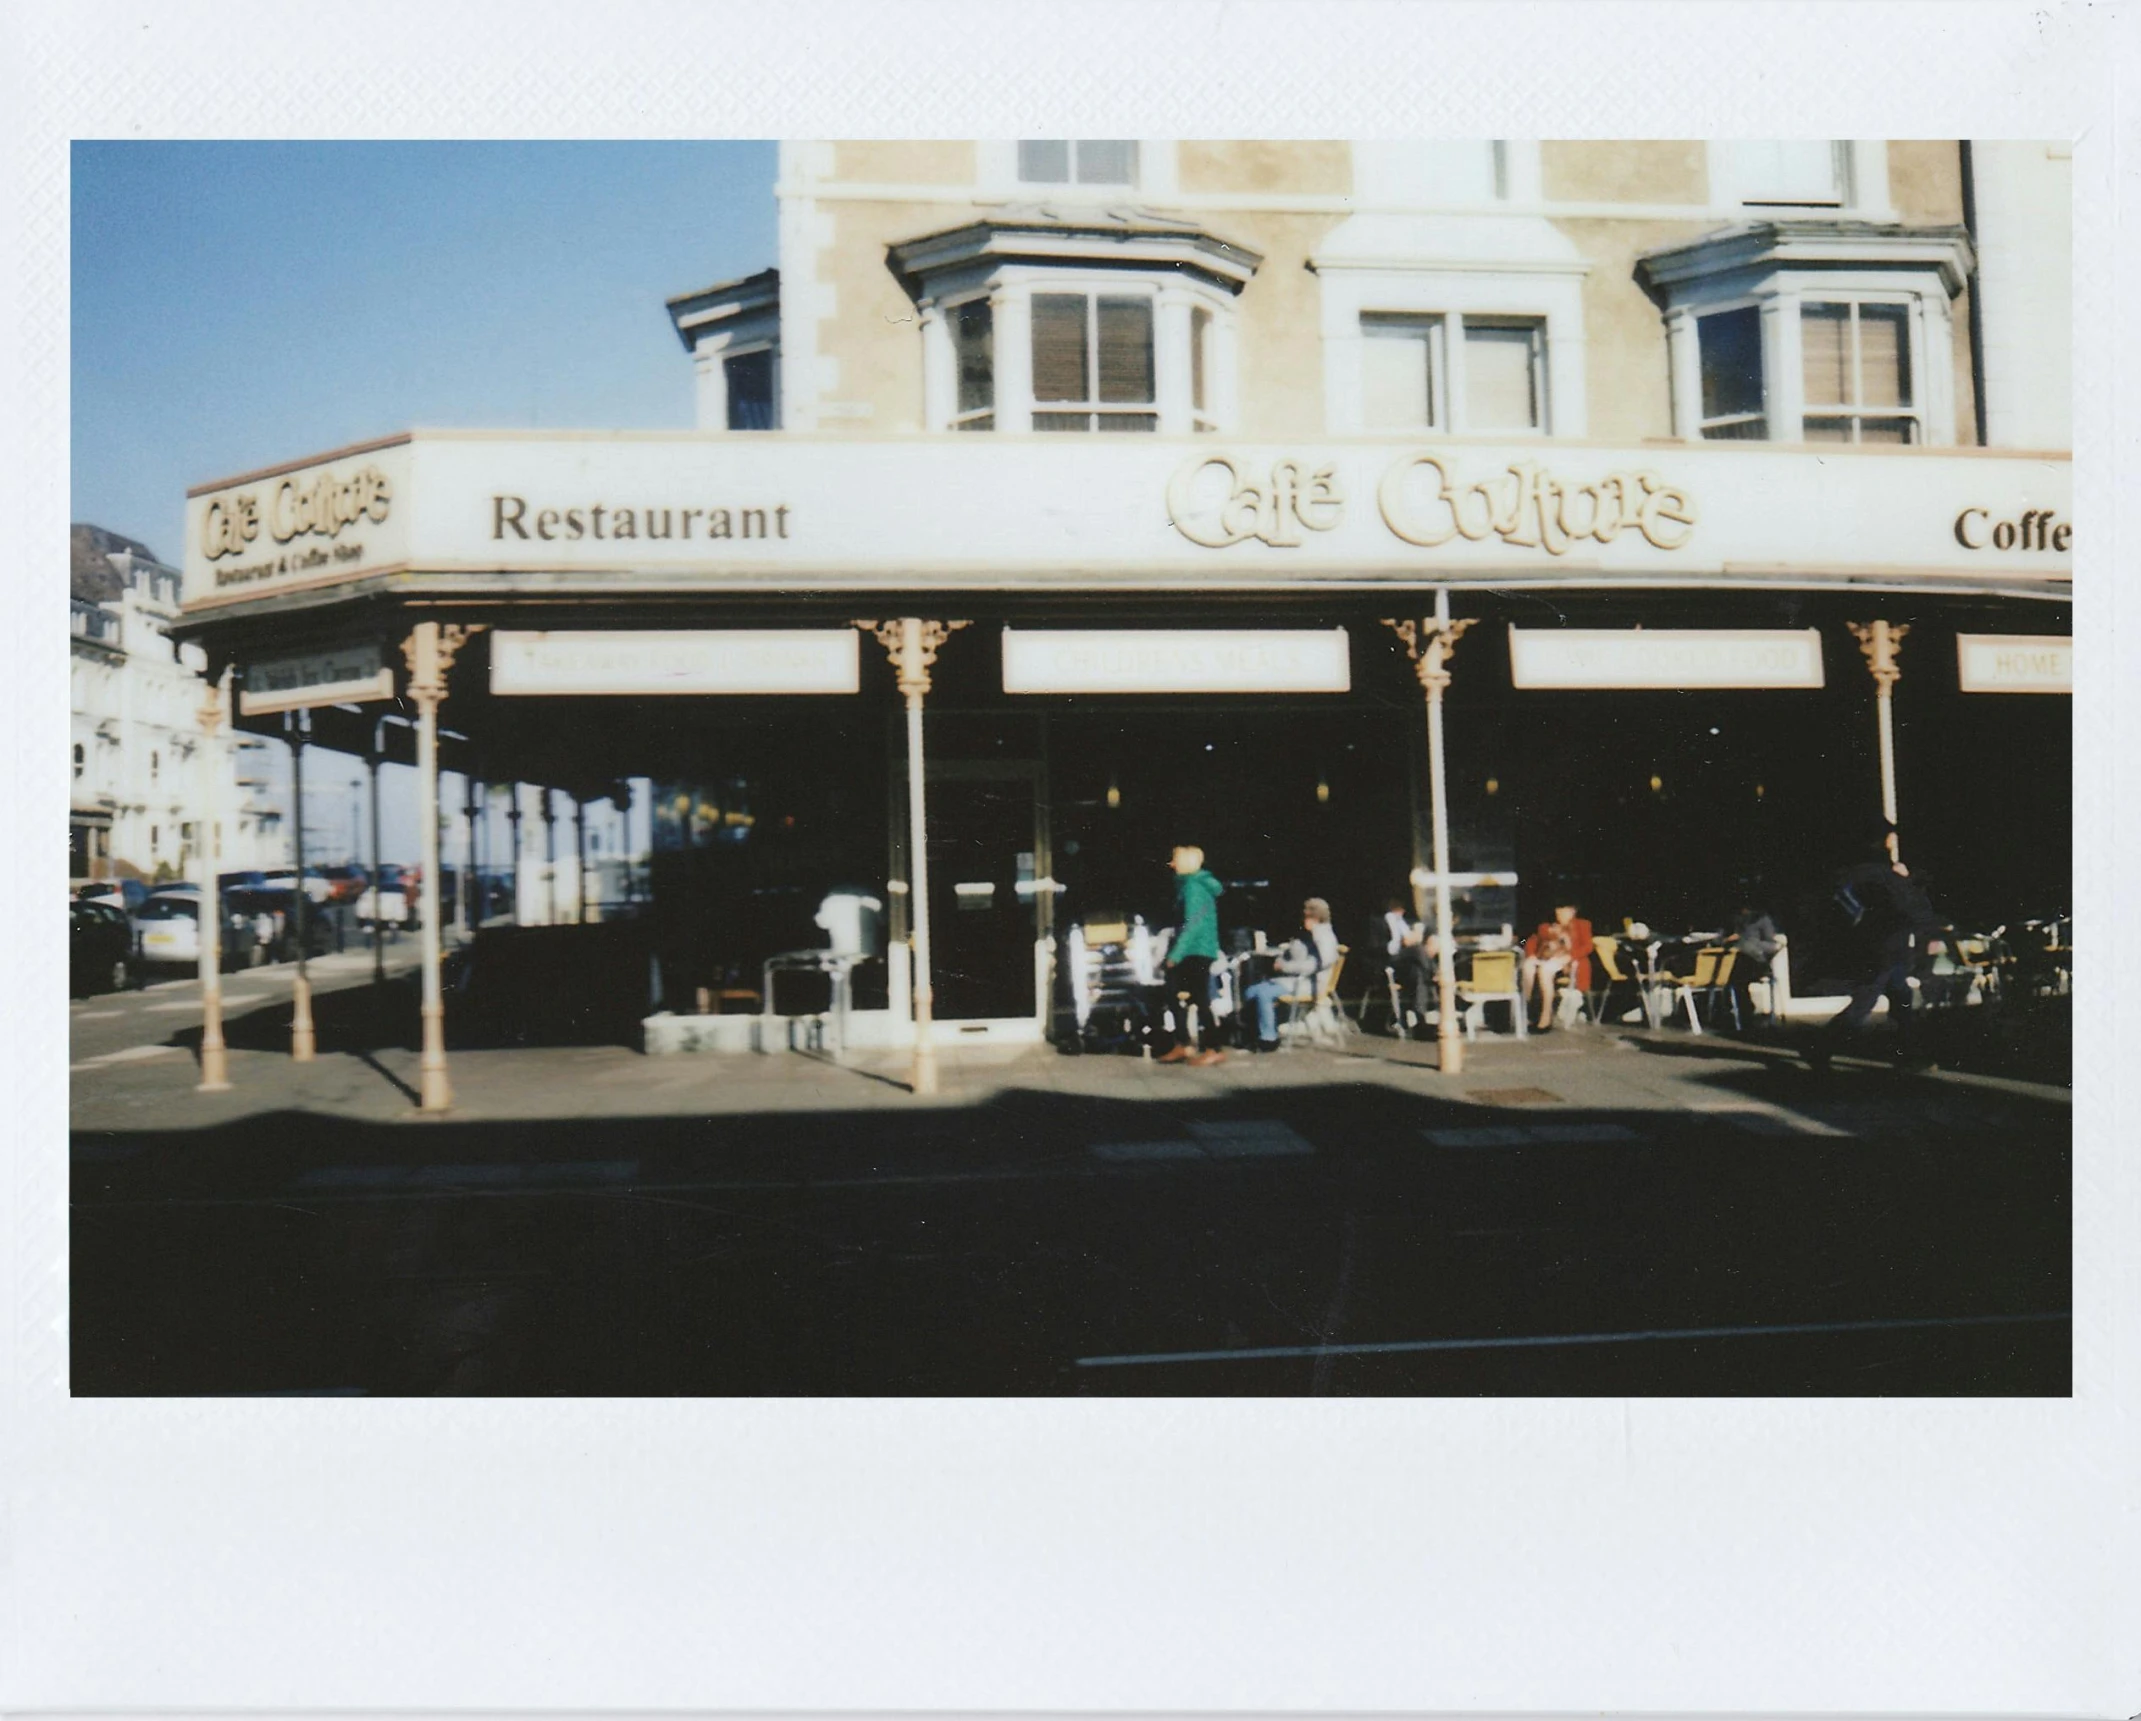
{"points": [[1893, 926], [1189, 959]]}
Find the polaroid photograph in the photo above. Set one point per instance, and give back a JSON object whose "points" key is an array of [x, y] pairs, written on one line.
{"points": [[868, 914]]}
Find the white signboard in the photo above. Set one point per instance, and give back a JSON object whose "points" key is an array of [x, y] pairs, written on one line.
{"points": [[493, 512], [2016, 662], [347, 675], [1667, 658], [1167, 661], [812, 660]]}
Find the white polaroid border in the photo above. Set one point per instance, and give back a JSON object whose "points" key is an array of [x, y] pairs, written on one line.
{"points": [[1102, 1555]]}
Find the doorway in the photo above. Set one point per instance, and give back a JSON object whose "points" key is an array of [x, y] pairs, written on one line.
{"points": [[987, 891]]}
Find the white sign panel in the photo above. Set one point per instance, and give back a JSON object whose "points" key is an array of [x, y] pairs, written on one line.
{"points": [[811, 660], [1666, 658], [345, 676], [2016, 662], [1165, 661], [473, 511]]}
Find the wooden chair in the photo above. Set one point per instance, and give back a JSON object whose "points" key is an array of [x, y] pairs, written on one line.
{"points": [[1611, 977]]}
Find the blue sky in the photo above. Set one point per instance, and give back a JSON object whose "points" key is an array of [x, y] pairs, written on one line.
{"points": [[236, 304]]}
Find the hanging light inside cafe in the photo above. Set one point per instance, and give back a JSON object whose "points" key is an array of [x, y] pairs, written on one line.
{"points": [[1657, 785], [1323, 788], [1115, 795], [1494, 785]]}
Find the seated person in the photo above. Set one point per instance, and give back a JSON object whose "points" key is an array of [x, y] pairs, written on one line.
{"points": [[1313, 951], [1561, 946], [1409, 955]]}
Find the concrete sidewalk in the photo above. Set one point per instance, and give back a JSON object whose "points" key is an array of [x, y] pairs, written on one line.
{"points": [[367, 1071]]}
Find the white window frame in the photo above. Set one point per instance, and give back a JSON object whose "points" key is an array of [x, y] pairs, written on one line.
{"points": [[1861, 182], [1010, 289], [996, 174], [1913, 414], [1394, 173], [1779, 297], [1550, 297]]}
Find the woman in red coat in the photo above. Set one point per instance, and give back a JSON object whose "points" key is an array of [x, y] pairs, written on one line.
{"points": [[1561, 946]]}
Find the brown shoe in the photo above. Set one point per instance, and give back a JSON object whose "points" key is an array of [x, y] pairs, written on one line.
{"points": [[1206, 1059], [1179, 1053]]}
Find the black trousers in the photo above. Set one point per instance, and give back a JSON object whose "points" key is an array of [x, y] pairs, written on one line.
{"points": [[1193, 974], [1415, 970]]}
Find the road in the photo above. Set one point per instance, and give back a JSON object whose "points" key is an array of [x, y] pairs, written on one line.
{"points": [[1654, 1224]]}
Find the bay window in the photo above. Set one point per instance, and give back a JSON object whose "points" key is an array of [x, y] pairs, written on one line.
{"points": [[1813, 331], [1101, 325]]}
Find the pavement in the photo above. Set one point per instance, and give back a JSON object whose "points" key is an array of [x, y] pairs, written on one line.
{"points": [[1594, 1210]]}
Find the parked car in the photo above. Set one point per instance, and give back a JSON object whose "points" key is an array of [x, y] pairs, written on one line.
{"points": [[392, 903], [100, 947], [124, 894], [317, 887], [169, 925]]}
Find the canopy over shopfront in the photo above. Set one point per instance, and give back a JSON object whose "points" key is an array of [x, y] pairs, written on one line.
{"points": [[568, 595]]}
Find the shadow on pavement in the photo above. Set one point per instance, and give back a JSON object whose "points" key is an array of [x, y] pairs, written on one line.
{"points": [[1348, 1237]]}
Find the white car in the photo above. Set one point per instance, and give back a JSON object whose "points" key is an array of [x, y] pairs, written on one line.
{"points": [[317, 889], [391, 902], [169, 925]]}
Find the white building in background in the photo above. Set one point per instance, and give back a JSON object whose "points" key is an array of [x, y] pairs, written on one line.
{"points": [[135, 746]]}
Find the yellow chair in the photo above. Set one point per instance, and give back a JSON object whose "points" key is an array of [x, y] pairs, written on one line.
{"points": [[1493, 980], [1713, 969]]}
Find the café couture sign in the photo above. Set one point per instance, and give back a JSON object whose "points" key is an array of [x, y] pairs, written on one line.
{"points": [[314, 504], [1426, 500], [454, 512]]}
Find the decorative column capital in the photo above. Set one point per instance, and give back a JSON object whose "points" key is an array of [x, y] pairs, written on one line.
{"points": [[1429, 644], [1879, 640], [429, 652], [912, 645]]}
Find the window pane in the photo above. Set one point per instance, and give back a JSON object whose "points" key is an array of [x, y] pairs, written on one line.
{"points": [[750, 389], [1884, 356], [1825, 337], [1731, 344], [1739, 430], [1044, 161], [1897, 431], [1126, 349], [1107, 162], [984, 421], [1397, 373], [1200, 335], [1828, 430], [1792, 170], [1129, 421], [974, 343], [1501, 383], [1059, 371], [1063, 421]]}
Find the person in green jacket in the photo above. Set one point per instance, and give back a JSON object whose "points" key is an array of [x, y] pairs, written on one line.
{"points": [[1190, 957]]}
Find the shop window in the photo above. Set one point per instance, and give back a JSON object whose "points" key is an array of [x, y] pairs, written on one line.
{"points": [[1460, 372], [1073, 161], [1856, 360], [1093, 363], [1733, 406], [973, 327], [749, 381]]}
